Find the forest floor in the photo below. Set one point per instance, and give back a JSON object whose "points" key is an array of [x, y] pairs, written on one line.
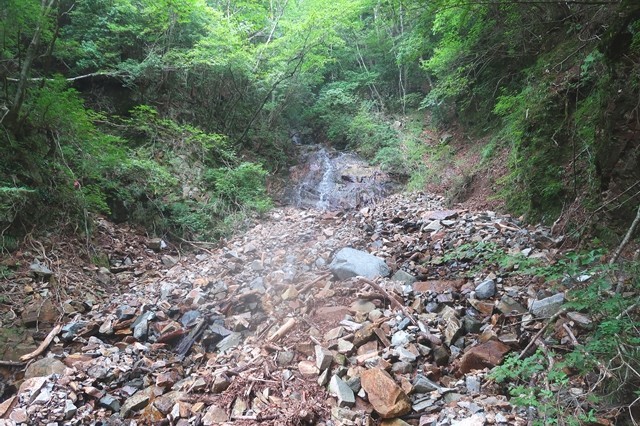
{"points": [[259, 330]]}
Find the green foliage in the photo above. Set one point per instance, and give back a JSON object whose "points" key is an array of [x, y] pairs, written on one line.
{"points": [[12, 200], [242, 186], [612, 344], [367, 133], [548, 400]]}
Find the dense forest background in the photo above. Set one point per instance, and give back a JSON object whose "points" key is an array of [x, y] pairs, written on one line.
{"points": [[173, 113]]}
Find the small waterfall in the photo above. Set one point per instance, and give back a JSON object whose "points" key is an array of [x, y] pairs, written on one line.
{"points": [[327, 184], [328, 180]]}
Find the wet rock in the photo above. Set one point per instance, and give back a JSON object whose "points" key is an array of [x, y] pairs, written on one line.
{"points": [[386, 397], [486, 289], [548, 306], [485, 355], [44, 367], [342, 391], [349, 262]]}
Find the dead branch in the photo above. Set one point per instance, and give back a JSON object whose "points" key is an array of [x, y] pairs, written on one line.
{"points": [[44, 345], [394, 302], [541, 332], [282, 331], [12, 363], [626, 238], [310, 284]]}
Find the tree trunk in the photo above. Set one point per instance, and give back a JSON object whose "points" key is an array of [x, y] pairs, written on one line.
{"points": [[18, 100]]}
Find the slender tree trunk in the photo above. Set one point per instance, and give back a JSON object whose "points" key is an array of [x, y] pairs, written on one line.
{"points": [[274, 86], [18, 100]]}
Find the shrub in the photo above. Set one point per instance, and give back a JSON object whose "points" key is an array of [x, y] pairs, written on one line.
{"points": [[243, 186]]}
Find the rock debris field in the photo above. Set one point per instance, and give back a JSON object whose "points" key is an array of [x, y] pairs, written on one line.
{"points": [[393, 314]]}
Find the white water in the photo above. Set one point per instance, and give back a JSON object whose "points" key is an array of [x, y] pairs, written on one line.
{"points": [[330, 180]]}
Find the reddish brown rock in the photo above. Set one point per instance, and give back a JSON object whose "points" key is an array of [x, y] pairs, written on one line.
{"points": [[74, 359], [332, 313], [386, 397], [485, 355], [485, 308], [437, 286]]}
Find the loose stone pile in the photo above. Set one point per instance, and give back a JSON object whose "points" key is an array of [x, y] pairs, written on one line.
{"points": [[392, 314]]}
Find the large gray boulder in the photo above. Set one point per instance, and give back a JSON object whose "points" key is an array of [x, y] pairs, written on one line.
{"points": [[349, 262]]}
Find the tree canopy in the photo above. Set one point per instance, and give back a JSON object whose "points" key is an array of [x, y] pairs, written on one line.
{"points": [[93, 89]]}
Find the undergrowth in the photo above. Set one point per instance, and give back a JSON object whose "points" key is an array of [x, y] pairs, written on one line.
{"points": [[551, 383]]}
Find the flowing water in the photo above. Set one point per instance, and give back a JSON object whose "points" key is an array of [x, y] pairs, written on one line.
{"points": [[326, 179]]}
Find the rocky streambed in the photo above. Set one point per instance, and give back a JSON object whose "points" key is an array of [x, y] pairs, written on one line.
{"points": [[282, 325]]}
